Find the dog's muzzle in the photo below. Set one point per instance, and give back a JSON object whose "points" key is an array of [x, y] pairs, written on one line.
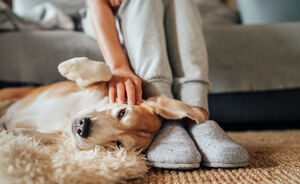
{"points": [[82, 127]]}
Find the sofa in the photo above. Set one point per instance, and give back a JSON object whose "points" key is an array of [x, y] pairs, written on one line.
{"points": [[254, 69]]}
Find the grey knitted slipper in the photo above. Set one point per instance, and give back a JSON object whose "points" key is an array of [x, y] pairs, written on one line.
{"points": [[173, 148], [216, 147]]}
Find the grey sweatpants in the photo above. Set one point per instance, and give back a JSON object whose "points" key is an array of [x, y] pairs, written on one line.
{"points": [[165, 47]]}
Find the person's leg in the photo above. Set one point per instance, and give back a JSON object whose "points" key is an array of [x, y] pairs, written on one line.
{"points": [[142, 27], [189, 63], [187, 52]]}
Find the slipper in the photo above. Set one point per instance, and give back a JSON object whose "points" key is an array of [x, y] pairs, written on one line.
{"points": [[216, 147], [173, 148]]}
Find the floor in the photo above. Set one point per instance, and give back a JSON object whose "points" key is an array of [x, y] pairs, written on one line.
{"points": [[274, 158]]}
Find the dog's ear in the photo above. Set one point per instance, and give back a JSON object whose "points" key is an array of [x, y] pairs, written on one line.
{"points": [[84, 71], [174, 109]]}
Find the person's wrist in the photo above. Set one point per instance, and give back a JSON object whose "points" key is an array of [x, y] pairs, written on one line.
{"points": [[121, 71], [118, 63], [119, 67]]}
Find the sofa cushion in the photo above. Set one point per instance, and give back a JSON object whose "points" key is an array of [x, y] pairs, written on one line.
{"points": [[269, 11], [33, 56], [71, 7], [253, 58]]}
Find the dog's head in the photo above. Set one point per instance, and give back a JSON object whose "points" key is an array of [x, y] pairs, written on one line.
{"points": [[130, 126]]}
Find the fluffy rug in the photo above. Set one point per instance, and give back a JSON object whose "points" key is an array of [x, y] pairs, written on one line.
{"points": [[26, 160]]}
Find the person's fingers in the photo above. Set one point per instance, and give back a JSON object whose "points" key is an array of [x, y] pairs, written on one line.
{"points": [[138, 91], [130, 91], [121, 92], [112, 93]]}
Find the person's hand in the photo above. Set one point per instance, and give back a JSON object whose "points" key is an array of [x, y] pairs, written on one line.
{"points": [[124, 87]]}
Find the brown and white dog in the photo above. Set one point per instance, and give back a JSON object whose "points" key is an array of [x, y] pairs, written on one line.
{"points": [[80, 108]]}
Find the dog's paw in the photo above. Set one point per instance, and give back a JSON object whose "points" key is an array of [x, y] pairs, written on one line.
{"points": [[84, 71]]}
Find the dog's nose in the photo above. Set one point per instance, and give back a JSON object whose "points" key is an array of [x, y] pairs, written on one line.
{"points": [[82, 127]]}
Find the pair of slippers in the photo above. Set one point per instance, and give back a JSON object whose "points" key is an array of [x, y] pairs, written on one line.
{"points": [[205, 143]]}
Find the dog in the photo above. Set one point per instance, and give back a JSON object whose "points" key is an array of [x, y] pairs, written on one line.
{"points": [[80, 108]]}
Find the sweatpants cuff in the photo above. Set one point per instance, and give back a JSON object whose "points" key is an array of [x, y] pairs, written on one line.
{"points": [[194, 93], [157, 88]]}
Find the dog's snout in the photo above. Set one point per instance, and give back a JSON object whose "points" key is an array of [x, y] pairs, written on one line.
{"points": [[82, 127]]}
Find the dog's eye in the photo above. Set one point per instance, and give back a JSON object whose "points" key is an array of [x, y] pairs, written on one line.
{"points": [[118, 143], [121, 113]]}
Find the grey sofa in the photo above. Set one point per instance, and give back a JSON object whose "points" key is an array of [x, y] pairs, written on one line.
{"points": [[254, 70]]}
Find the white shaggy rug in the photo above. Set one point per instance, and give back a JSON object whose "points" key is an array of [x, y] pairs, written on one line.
{"points": [[26, 160]]}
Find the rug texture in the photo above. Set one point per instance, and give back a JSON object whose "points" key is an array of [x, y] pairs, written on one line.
{"points": [[274, 158], [25, 160]]}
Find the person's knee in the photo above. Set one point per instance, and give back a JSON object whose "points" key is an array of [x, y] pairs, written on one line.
{"points": [[157, 88]]}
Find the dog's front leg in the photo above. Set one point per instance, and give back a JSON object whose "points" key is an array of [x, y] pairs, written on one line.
{"points": [[43, 137], [84, 71]]}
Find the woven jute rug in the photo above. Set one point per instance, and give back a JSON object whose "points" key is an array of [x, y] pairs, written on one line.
{"points": [[274, 158]]}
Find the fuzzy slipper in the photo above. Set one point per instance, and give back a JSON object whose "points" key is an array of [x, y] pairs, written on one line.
{"points": [[216, 147], [173, 148]]}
